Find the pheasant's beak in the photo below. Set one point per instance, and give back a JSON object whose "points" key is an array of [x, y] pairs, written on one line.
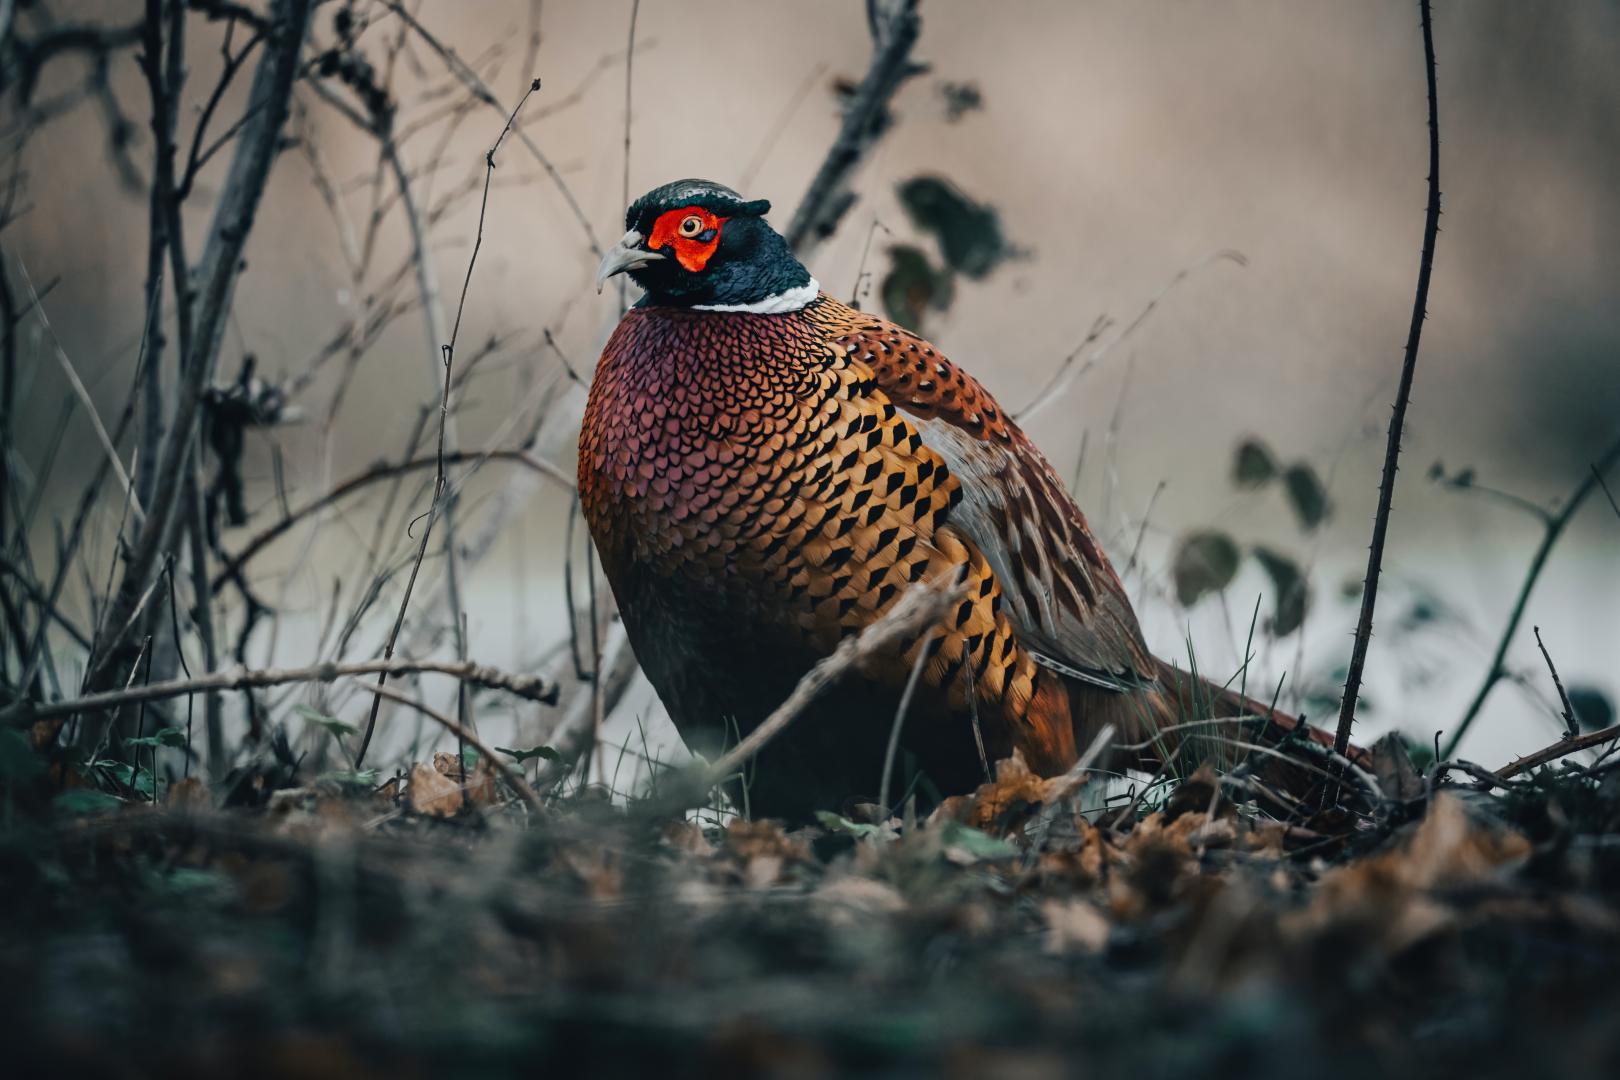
{"points": [[627, 254]]}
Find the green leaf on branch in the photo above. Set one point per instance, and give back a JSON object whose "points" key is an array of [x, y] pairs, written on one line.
{"points": [[1205, 562], [330, 723], [968, 231], [139, 780], [839, 824], [366, 778], [913, 286], [81, 801], [545, 752], [1290, 592], [1253, 464], [169, 736], [1306, 495]]}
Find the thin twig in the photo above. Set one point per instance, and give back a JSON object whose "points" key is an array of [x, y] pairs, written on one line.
{"points": [[917, 665], [921, 606], [464, 734], [629, 84], [1397, 420], [416, 568], [530, 687], [214, 283], [1606, 492], [861, 275], [449, 352], [1071, 370], [576, 731], [1572, 726], [1562, 748], [83, 395], [480, 89], [1487, 779], [1555, 527], [1066, 785]]}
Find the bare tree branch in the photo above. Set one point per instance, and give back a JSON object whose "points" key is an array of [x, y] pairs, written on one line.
{"points": [[214, 284], [530, 687], [895, 26], [1562, 748]]}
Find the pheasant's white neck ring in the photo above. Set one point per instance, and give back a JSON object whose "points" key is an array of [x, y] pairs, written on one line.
{"points": [[776, 304]]}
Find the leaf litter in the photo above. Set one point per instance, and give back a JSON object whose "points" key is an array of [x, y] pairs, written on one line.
{"points": [[431, 925]]}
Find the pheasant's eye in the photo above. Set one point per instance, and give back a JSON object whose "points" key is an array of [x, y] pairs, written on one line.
{"points": [[690, 226]]}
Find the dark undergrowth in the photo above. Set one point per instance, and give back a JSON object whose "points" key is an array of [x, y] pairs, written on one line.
{"points": [[333, 930]]}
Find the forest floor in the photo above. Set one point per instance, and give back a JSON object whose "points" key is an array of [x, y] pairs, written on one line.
{"points": [[437, 927]]}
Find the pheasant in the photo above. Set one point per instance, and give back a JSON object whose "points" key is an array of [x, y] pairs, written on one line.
{"points": [[765, 470]]}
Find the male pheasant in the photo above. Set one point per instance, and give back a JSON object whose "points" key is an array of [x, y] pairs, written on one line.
{"points": [[765, 470]]}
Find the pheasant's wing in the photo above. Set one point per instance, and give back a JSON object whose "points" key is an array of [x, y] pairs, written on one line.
{"points": [[1066, 601]]}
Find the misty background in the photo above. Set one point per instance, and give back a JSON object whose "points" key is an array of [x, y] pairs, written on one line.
{"points": [[1119, 145]]}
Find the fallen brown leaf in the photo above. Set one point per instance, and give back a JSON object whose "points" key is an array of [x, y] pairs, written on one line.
{"points": [[189, 796], [1074, 925], [432, 793]]}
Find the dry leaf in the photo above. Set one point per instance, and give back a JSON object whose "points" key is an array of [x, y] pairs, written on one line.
{"points": [[687, 836], [480, 786], [854, 899], [1195, 794], [1004, 803], [1074, 925], [753, 839], [433, 793], [189, 796], [764, 850], [1389, 897], [1082, 864], [1397, 777], [598, 868]]}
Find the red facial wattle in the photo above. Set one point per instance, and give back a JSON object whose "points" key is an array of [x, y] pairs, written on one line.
{"points": [[692, 231]]}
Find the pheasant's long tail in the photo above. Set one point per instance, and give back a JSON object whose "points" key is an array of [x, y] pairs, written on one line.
{"points": [[1188, 720]]}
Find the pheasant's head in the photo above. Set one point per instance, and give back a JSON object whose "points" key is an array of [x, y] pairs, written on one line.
{"points": [[698, 244]]}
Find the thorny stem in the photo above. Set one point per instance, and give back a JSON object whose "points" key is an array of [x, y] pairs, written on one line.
{"points": [[1397, 420]]}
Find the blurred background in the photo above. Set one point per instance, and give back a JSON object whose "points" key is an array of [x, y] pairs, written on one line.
{"points": [[1238, 188]]}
